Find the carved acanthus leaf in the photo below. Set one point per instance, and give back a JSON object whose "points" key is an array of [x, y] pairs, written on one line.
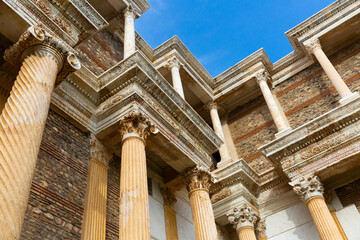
{"points": [[308, 187], [98, 151], [198, 178], [243, 217]]}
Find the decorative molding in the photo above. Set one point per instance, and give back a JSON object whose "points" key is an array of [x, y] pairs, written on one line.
{"points": [[37, 39], [136, 123], [245, 216], [198, 178], [98, 151], [307, 187], [168, 196]]}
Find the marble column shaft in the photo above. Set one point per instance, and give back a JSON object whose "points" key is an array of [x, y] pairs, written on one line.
{"points": [[134, 199], [314, 47], [174, 66], [22, 122], [129, 32], [94, 220], [311, 192], [198, 182], [276, 111], [244, 220], [223, 150]]}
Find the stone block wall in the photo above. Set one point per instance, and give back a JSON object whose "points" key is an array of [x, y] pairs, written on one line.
{"points": [[56, 201], [303, 97]]}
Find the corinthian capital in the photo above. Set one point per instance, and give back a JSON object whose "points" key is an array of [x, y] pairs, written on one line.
{"points": [[129, 12], [312, 45], [243, 217], [262, 75], [98, 151], [168, 196], [136, 124], [198, 178], [308, 187], [173, 62], [36, 40], [212, 105]]}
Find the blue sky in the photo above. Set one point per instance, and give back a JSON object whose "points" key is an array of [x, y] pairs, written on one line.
{"points": [[220, 33]]}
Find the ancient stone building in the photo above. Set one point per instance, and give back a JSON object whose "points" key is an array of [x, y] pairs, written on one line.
{"points": [[103, 137]]}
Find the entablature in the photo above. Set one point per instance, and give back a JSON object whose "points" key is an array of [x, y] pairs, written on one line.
{"points": [[327, 141]]}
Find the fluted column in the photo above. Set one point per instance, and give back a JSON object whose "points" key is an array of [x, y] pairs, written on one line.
{"points": [[174, 66], [134, 199], [170, 214], [129, 32], [94, 220], [276, 111], [23, 119], [310, 189], [314, 47], [223, 150], [244, 220], [198, 182]]}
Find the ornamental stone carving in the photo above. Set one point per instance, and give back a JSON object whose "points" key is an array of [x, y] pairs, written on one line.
{"points": [[312, 45], [135, 123], [98, 151], [173, 62], [168, 196], [308, 187], [261, 229], [243, 217], [36, 40], [262, 75], [198, 178]]}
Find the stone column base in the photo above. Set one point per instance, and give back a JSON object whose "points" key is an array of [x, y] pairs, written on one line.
{"points": [[349, 98], [282, 132]]}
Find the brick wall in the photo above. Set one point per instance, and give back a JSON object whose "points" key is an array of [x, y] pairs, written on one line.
{"points": [[303, 97], [57, 195], [350, 194]]}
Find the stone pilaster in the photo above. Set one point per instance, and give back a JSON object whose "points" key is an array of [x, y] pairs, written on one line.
{"points": [[129, 32], [174, 65], [94, 220], [244, 220], [41, 57], [314, 47], [170, 214], [134, 199], [261, 230], [310, 190], [223, 150], [276, 111], [198, 181]]}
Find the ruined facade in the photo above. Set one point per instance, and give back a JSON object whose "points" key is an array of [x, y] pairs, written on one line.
{"points": [[103, 137]]}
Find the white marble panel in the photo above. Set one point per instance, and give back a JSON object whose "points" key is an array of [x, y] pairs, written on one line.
{"points": [[287, 219], [183, 209], [185, 228], [349, 219], [306, 231], [157, 219]]}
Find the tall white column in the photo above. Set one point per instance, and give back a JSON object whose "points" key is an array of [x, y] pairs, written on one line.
{"points": [[276, 111], [314, 47], [129, 32], [223, 150], [174, 66]]}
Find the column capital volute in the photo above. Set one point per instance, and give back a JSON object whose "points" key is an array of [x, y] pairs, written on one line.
{"points": [[35, 40], [136, 124], [98, 151], [312, 45], [212, 105], [173, 62], [245, 216], [262, 75], [198, 178], [308, 187], [168, 196]]}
